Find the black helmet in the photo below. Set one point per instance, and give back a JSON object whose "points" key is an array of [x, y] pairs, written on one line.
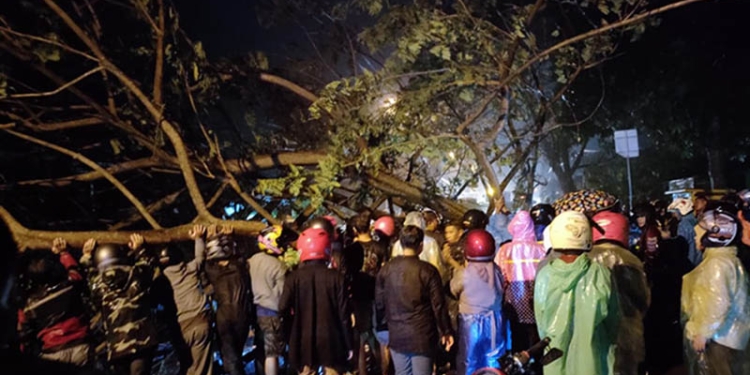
{"points": [[321, 223], [107, 255], [474, 219], [169, 256], [542, 214]]}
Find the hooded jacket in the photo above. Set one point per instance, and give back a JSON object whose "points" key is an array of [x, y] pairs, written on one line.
{"points": [[714, 303], [576, 308], [518, 261]]}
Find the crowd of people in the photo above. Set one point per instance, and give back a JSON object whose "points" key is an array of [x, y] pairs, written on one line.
{"points": [[378, 295]]}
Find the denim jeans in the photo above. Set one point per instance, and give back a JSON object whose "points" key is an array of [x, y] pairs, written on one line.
{"points": [[411, 364]]}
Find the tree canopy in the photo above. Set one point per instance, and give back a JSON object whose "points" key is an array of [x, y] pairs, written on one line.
{"points": [[115, 119]]}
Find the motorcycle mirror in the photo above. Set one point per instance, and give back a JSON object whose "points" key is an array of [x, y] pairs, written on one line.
{"points": [[551, 356]]}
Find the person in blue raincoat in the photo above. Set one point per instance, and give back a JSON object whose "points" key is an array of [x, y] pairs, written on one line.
{"points": [[479, 289], [575, 303]]}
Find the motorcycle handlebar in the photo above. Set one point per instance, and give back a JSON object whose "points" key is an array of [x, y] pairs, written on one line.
{"points": [[538, 348]]}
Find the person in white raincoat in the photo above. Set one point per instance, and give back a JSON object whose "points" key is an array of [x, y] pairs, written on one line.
{"points": [[430, 249], [715, 304]]}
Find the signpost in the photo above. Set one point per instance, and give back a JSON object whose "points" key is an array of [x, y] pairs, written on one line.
{"points": [[626, 145]]}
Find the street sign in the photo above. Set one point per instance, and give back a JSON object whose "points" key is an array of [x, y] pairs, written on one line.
{"points": [[626, 143]]}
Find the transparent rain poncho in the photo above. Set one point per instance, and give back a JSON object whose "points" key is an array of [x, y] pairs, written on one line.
{"points": [[519, 260], [633, 296], [576, 307], [715, 304]]}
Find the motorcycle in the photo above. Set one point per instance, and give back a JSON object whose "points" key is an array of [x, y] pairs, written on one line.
{"points": [[521, 363]]}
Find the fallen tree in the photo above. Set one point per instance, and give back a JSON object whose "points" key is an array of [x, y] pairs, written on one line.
{"points": [[135, 109]]}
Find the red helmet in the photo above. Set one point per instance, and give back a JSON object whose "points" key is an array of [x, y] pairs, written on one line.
{"points": [[615, 227], [386, 225], [480, 245], [314, 244]]}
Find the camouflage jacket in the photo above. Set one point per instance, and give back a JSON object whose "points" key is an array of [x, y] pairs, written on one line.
{"points": [[120, 292]]}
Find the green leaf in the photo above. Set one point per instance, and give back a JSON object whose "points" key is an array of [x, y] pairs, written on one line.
{"points": [[603, 8], [199, 52], [466, 95], [446, 54], [415, 47], [556, 33], [116, 146], [196, 72]]}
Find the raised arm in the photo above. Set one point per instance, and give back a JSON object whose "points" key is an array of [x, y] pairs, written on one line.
{"points": [[200, 244]]}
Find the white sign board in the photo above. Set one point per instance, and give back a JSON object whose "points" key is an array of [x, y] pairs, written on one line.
{"points": [[626, 143]]}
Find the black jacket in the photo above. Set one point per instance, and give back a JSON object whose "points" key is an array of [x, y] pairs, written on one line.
{"points": [[317, 323], [409, 294]]}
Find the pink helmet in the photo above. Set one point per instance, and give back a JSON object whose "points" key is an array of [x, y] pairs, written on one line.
{"points": [[314, 244], [386, 225], [480, 245], [615, 227]]}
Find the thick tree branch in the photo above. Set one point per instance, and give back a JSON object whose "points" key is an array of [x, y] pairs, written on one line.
{"points": [[291, 86], [167, 127], [393, 186], [41, 239], [159, 69], [246, 197], [91, 164], [236, 166]]}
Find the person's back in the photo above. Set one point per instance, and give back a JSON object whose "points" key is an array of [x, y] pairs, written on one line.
{"points": [[574, 302], [518, 261], [316, 289], [228, 276], [193, 314], [54, 315], [479, 288], [630, 283], [120, 285], [408, 304], [576, 315], [715, 303], [409, 294], [315, 309]]}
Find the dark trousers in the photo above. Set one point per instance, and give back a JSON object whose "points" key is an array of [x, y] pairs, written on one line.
{"points": [[232, 336], [522, 337], [137, 364], [719, 360]]}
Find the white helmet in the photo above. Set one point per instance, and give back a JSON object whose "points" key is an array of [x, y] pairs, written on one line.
{"points": [[721, 227], [416, 219], [682, 205], [571, 230]]}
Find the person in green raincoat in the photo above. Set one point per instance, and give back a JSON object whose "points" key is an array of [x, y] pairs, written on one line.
{"points": [[575, 303]]}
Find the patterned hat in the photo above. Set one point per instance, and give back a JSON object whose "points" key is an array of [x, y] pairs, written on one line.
{"points": [[585, 201]]}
